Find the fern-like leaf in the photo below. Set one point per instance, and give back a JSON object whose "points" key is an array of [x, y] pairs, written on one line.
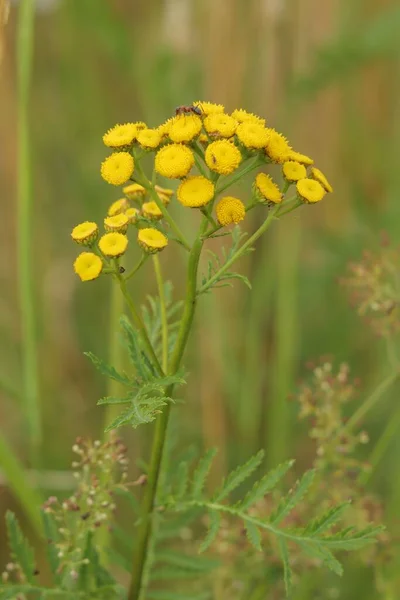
{"points": [[287, 571], [107, 370], [288, 503], [201, 473], [265, 485], [21, 551], [215, 523], [253, 534], [238, 476]]}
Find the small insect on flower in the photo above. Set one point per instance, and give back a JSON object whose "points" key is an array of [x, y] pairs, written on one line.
{"points": [[182, 110]]}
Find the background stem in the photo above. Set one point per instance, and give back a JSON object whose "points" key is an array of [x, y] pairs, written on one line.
{"points": [[164, 321]]}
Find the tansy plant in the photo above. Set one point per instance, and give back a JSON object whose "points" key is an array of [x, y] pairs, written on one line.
{"points": [[203, 152]]}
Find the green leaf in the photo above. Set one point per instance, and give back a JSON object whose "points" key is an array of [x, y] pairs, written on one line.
{"points": [[287, 571], [114, 400], [253, 535], [291, 500], [327, 520], [21, 551], [118, 559], [194, 564], [265, 485], [52, 536], [136, 353], [215, 522], [201, 473], [182, 480], [236, 477], [107, 370], [322, 553]]}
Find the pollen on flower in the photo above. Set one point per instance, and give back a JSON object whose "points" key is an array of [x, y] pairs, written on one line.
{"points": [[230, 210], [220, 124], [242, 116], [134, 191], [174, 161], [117, 207], [293, 171], [223, 157], [117, 222], [151, 210], [113, 244], [267, 188], [278, 148], [184, 128], [195, 192], [132, 214], [310, 190], [301, 158], [88, 266], [209, 108], [252, 134], [117, 168], [120, 136], [152, 240], [149, 138], [320, 177], [85, 233]]}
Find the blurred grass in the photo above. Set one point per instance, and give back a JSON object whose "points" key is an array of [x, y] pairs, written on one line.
{"points": [[326, 74]]}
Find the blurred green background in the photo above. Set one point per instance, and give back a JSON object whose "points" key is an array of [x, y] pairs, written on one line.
{"points": [[327, 74]]}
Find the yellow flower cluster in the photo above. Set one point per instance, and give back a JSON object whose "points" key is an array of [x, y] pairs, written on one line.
{"points": [[207, 150]]}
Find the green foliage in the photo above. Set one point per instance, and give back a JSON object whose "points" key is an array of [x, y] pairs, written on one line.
{"points": [[20, 550], [216, 262], [152, 317]]}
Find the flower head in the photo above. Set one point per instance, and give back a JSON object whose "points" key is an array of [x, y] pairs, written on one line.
{"points": [[113, 244], [184, 128], [165, 194], [151, 210], [164, 128], [208, 108], [220, 124], [195, 191], [267, 188], [174, 161], [252, 134], [230, 210], [149, 138], [88, 266], [223, 157], [85, 233], [293, 171], [320, 177], [243, 116], [134, 190], [278, 148], [117, 207], [117, 168], [152, 240], [132, 214], [122, 135], [301, 158], [310, 190], [117, 222]]}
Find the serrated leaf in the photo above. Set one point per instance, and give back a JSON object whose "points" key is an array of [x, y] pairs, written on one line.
{"points": [[52, 536], [290, 501], [201, 473], [253, 535], [287, 570], [265, 485], [122, 419], [326, 520], [107, 370], [322, 553], [136, 354], [215, 522], [182, 480], [21, 551], [114, 400], [236, 477], [194, 564]]}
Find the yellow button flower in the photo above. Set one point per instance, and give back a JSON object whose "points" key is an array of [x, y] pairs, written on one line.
{"points": [[174, 161], [152, 240], [151, 210], [252, 135], [293, 171], [267, 188], [230, 210], [223, 157], [195, 191], [117, 222], [117, 168], [165, 194], [301, 158], [278, 148], [122, 135], [88, 266], [134, 190], [184, 128], [132, 214], [310, 190], [85, 233], [113, 244], [149, 138], [117, 207], [242, 116], [320, 177], [220, 124], [208, 108]]}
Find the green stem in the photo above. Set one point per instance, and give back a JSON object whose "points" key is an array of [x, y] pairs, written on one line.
{"points": [[29, 499], [164, 320], [24, 228], [240, 251], [250, 167], [145, 529], [289, 207], [135, 269], [115, 357]]}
